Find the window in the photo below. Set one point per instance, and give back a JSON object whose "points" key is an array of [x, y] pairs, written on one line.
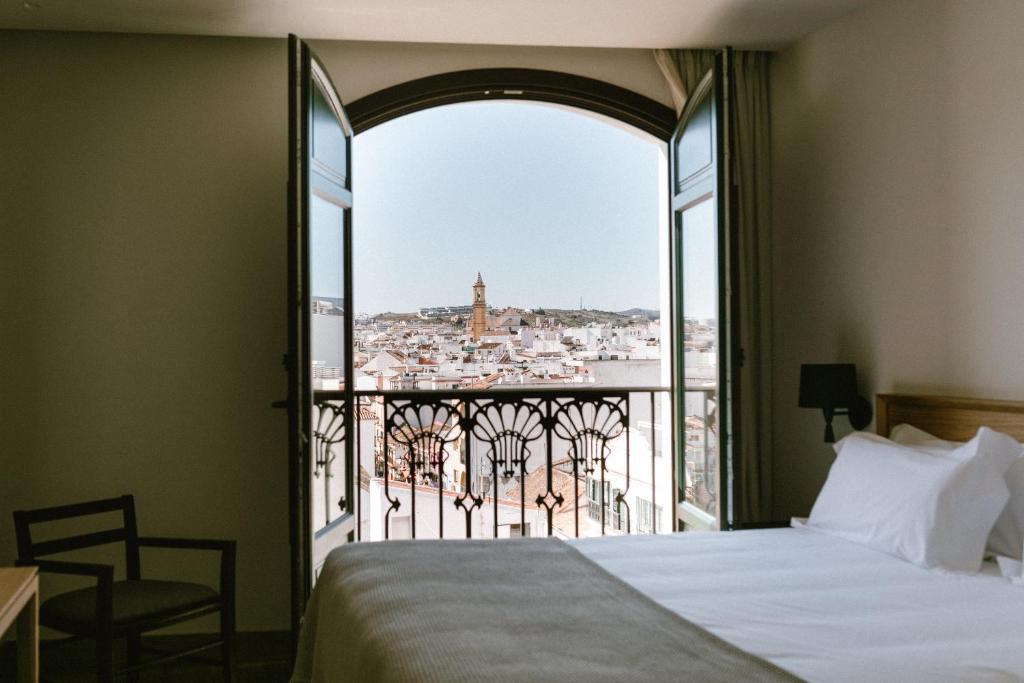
{"points": [[535, 257], [503, 245], [517, 530], [594, 494], [648, 517]]}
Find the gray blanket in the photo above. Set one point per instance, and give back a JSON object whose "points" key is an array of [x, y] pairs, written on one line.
{"points": [[496, 612]]}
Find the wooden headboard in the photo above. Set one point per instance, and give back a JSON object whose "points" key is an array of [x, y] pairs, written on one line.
{"points": [[953, 419]]}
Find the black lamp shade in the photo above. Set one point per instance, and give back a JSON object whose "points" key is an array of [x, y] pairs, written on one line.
{"points": [[828, 385]]}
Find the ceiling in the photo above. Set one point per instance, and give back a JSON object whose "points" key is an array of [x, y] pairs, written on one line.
{"points": [[763, 24]]}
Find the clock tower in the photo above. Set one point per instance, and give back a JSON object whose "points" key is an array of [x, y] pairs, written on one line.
{"points": [[478, 324]]}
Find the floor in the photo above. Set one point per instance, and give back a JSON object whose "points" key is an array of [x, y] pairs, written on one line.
{"points": [[263, 657]]}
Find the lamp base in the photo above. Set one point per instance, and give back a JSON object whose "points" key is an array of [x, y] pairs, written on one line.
{"points": [[830, 434]]}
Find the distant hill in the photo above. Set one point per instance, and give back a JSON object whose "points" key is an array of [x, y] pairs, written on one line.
{"points": [[569, 317], [391, 316], [579, 318], [649, 313]]}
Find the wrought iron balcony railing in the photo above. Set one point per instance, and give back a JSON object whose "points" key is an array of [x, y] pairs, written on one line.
{"points": [[551, 460]]}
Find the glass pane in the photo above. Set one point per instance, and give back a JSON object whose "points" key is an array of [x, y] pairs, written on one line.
{"points": [[327, 276], [327, 337], [694, 147], [700, 357], [330, 146]]}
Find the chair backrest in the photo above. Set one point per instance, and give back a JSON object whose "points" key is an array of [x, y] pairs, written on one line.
{"points": [[127, 533]]}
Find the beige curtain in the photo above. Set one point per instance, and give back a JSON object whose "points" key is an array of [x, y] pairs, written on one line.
{"points": [[751, 176], [683, 70]]}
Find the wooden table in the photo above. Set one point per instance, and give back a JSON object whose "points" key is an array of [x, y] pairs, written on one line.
{"points": [[19, 600]]}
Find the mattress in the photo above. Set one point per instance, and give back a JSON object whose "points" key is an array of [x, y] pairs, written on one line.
{"points": [[826, 609]]}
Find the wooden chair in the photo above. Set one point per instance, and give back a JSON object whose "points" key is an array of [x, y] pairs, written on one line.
{"points": [[126, 609]]}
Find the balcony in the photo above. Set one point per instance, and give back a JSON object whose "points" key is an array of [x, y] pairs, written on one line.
{"points": [[567, 461]]}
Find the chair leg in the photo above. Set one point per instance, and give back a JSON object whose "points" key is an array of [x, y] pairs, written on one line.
{"points": [[134, 653], [227, 634], [105, 659]]}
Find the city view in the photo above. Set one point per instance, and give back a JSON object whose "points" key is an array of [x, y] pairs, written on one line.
{"points": [[478, 347], [591, 453]]}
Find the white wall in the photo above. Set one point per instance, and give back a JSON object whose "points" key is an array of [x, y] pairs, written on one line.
{"points": [[142, 287], [898, 163]]}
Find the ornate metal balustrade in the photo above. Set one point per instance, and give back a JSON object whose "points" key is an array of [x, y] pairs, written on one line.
{"points": [[502, 462], [328, 435]]}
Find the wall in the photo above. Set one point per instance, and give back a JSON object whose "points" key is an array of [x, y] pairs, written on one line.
{"points": [[898, 163], [360, 68], [142, 184], [142, 210]]}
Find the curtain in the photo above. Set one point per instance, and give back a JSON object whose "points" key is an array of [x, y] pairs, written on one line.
{"points": [[752, 177], [683, 70], [750, 158]]}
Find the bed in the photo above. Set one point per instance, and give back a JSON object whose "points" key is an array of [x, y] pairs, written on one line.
{"points": [[765, 605]]}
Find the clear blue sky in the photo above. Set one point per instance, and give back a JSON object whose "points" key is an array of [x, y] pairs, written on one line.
{"points": [[549, 204]]}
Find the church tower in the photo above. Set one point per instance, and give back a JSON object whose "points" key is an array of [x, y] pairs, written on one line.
{"points": [[478, 325]]}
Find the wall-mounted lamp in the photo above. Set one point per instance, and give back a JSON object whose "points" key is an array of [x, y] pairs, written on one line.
{"points": [[832, 387]]}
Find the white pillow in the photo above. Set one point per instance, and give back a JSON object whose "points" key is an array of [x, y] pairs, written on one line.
{"points": [[1007, 536], [932, 509], [909, 435]]}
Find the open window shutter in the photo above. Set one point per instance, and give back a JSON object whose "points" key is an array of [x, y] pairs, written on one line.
{"points": [[321, 477], [704, 335]]}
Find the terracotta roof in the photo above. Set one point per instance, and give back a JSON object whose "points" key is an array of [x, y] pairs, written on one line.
{"points": [[537, 485], [483, 382]]}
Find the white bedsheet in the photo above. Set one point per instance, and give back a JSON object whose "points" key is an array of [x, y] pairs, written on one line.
{"points": [[826, 609]]}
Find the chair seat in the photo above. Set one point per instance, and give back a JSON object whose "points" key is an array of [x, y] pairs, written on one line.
{"points": [[135, 602]]}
